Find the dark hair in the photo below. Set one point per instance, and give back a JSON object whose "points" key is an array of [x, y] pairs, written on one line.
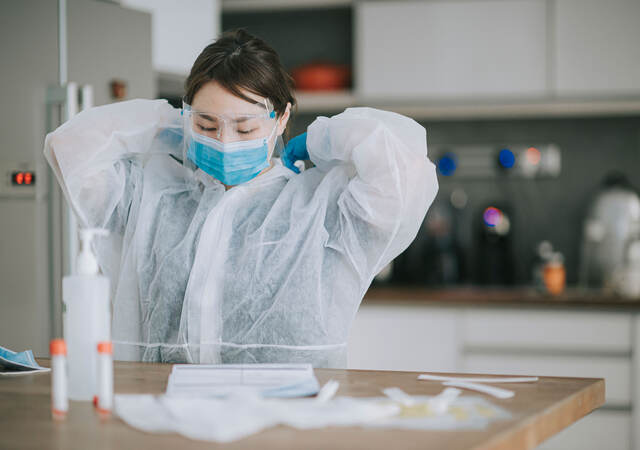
{"points": [[238, 60]]}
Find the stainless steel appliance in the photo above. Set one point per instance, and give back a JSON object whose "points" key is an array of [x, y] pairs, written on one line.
{"points": [[58, 57]]}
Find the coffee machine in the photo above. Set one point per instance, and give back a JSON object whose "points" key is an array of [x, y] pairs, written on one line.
{"points": [[611, 226], [434, 257], [494, 246]]}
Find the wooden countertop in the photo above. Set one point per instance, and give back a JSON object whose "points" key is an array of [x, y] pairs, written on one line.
{"points": [[539, 411], [496, 297]]}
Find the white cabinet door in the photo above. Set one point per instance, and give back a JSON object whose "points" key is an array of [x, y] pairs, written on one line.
{"points": [[616, 371], [597, 50], [567, 331], [610, 430], [552, 343], [388, 337], [181, 30], [444, 49]]}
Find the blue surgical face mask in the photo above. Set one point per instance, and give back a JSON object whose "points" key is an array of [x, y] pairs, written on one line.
{"points": [[14, 360], [232, 163]]}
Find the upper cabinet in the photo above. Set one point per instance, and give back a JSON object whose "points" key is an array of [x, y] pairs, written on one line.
{"points": [[448, 50], [181, 30], [460, 59], [597, 50]]}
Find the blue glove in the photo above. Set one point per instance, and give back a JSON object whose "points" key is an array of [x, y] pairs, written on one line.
{"points": [[296, 150]]}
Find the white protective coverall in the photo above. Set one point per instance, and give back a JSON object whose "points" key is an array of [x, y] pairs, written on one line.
{"points": [[272, 270]]}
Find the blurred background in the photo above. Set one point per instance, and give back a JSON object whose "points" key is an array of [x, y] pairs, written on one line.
{"points": [[529, 259]]}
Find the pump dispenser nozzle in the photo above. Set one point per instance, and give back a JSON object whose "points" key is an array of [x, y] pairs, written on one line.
{"points": [[86, 262]]}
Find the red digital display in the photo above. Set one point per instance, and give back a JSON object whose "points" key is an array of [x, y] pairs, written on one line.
{"points": [[23, 178]]}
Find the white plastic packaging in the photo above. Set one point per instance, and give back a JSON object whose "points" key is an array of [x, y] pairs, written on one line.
{"points": [[87, 318], [105, 377], [59, 399]]}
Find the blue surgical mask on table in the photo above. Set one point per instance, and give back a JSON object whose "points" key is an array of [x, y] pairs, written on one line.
{"points": [[232, 163], [18, 362]]}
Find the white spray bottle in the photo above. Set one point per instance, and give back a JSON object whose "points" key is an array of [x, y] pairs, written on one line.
{"points": [[86, 318]]}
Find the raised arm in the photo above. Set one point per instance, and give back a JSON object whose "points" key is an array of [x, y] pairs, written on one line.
{"points": [[391, 183], [91, 155]]}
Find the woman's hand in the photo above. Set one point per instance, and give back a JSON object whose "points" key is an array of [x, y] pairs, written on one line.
{"points": [[296, 150]]}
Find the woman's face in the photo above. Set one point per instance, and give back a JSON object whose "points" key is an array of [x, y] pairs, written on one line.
{"points": [[232, 118]]}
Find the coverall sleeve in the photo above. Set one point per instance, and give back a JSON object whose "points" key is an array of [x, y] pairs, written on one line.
{"points": [[92, 156], [391, 183]]}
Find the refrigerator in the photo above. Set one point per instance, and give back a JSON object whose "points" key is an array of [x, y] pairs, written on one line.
{"points": [[58, 57]]}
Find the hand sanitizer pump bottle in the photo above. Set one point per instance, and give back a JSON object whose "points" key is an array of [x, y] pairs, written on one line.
{"points": [[86, 318]]}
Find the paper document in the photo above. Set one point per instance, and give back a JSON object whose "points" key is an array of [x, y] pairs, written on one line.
{"points": [[219, 380]]}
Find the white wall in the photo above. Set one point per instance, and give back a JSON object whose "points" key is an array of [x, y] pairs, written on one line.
{"points": [[181, 29]]}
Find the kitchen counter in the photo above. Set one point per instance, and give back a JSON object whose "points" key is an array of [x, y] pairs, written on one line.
{"points": [[512, 330], [496, 297], [539, 411]]}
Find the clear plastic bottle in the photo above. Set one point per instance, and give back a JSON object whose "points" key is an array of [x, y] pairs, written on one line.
{"points": [[87, 318]]}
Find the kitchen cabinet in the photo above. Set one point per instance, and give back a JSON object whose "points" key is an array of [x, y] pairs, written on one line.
{"points": [[123, 56], [615, 370], [577, 331], [438, 59], [446, 50], [562, 343], [597, 47], [403, 338], [608, 430], [397, 334], [181, 30]]}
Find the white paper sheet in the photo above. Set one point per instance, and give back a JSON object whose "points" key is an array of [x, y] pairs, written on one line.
{"points": [[218, 380]]}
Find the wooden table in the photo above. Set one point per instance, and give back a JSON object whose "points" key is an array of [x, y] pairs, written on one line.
{"points": [[539, 411]]}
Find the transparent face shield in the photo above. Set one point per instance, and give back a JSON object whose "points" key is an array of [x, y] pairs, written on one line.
{"points": [[231, 131]]}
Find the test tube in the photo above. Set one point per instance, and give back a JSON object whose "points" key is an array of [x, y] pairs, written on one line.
{"points": [[105, 377], [59, 398]]}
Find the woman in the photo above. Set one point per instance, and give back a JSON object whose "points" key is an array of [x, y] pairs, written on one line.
{"points": [[219, 252]]}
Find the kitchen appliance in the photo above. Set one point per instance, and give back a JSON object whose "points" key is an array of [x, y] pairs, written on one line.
{"points": [[434, 256], [612, 222], [626, 278], [60, 57], [494, 246]]}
